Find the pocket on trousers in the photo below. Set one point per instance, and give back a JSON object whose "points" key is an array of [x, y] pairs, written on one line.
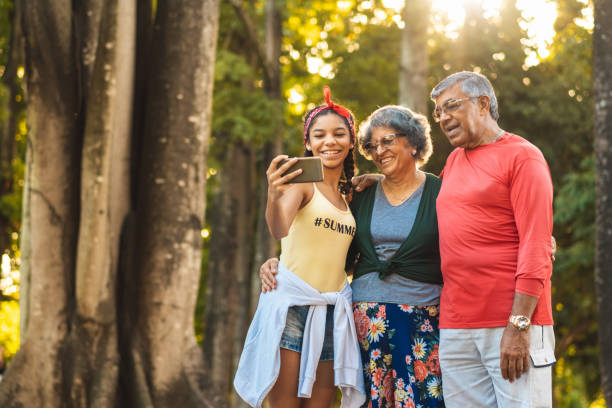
{"points": [[541, 377], [544, 357]]}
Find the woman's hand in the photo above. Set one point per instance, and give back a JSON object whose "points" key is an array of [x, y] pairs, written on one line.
{"points": [[266, 274], [277, 182], [553, 247], [365, 180]]}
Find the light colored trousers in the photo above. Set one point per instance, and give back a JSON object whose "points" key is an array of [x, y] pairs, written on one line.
{"points": [[471, 374]]}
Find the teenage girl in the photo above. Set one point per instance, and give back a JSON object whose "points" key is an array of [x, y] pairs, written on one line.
{"points": [[328, 134], [315, 226]]}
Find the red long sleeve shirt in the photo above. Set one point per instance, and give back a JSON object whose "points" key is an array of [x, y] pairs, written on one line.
{"points": [[495, 223]]}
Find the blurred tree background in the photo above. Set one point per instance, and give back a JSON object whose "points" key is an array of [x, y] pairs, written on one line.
{"points": [[273, 58]]}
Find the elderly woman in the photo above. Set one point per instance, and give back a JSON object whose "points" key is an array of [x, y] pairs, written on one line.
{"points": [[397, 278], [396, 262]]}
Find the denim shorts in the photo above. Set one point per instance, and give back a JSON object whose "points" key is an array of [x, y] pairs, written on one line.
{"points": [[294, 331]]}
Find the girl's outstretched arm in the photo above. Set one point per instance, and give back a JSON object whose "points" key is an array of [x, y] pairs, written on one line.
{"points": [[284, 198]]}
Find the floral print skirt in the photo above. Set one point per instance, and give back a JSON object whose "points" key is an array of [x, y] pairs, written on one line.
{"points": [[399, 351]]}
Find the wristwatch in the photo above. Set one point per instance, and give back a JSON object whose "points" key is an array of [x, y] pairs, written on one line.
{"points": [[522, 323]]}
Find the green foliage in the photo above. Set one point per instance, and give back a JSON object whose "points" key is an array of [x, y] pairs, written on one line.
{"points": [[12, 194], [575, 209], [6, 8], [241, 110], [560, 119], [562, 126], [574, 291], [10, 204], [11, 171], [9, 328]]}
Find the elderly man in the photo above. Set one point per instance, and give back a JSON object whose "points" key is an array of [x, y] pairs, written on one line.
{"points": [[495, 223]]}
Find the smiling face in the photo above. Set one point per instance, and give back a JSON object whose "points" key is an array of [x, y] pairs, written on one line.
{"points": [[394, 159], [462, 126], [329, 138]]}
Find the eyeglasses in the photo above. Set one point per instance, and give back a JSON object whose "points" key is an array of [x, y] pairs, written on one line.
{"points": [[385, 142], [448, 107]]}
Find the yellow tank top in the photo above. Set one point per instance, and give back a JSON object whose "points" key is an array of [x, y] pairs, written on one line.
{"points": [[317, 243]]}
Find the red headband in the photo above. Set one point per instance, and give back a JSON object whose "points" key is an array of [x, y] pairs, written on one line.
{"points": [[339, 109]]}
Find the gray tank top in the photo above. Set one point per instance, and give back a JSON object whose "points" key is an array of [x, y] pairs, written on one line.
{"points": [[390, 227]]}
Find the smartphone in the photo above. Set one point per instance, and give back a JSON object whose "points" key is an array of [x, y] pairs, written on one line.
{"points": [[312, 169]]}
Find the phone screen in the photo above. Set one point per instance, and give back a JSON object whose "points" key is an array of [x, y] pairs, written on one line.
{"points": [[312, 170]]}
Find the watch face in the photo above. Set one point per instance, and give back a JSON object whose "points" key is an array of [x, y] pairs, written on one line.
{"points": [[522, 323]]}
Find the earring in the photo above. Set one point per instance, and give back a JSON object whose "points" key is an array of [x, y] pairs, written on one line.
{"points": [[414, 152]]}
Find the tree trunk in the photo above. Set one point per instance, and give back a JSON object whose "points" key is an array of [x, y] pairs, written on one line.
{"points": [[167, 366], [35, 378], [232, 292], [144, 32], [602, 61], [414, 58], [265, 244], [227, 291], [89, 14], [78, 216], [107, 77]]}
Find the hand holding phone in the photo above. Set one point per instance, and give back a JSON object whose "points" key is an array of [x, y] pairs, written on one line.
{"points": [[284, 171]]}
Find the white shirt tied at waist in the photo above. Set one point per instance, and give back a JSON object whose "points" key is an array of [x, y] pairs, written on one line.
{"points": [[260, 360]]}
